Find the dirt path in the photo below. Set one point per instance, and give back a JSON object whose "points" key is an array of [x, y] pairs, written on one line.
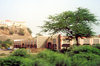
{"points": [[5, 51]]}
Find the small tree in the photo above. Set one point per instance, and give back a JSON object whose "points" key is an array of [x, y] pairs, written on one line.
{"points": [[20, 52], [72, 23]]}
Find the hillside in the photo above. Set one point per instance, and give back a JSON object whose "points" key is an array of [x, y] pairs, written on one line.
{"points": [[13, 32]]}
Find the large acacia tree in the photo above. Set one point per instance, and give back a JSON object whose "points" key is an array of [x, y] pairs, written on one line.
{"points": [[72, 23]]}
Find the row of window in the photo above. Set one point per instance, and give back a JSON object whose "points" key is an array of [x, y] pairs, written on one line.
{"points": [[24, 46]]}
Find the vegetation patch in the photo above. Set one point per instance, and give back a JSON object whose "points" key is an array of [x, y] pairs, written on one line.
{"points": [[5, 44], [74, 56], [21, 32]]}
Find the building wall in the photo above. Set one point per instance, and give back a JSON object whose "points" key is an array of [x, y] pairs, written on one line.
{"points": [[41, 41], [56, 44], [84, 41], [19, 43]]}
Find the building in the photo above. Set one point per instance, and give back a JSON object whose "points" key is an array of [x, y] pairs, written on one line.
{"points": [[20, 43], [6, 23], [55, 42]]}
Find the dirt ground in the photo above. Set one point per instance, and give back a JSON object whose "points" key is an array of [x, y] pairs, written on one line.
{"points": [[37, 50], [4, 53]]}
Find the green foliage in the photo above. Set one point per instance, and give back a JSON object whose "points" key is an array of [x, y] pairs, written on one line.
{"points": [[72, 23], [97, 46], [20, 53], [15, 61], [6, 44], [29, 30], [21, 32], [41, 62], [84, 55], [74, 56], [85, 59], [55, 58], [83, 49]]}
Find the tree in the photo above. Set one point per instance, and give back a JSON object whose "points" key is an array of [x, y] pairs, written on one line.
{"points": [[72, 23]]}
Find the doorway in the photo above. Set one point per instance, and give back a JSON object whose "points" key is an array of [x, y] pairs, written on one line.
{"points": [[49, 45]]}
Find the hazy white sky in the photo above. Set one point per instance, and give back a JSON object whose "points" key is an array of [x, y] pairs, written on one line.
{"points": [[34, 12]]}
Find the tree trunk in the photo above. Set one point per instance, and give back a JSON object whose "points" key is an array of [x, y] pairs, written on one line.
{"points": [[77, 43]]}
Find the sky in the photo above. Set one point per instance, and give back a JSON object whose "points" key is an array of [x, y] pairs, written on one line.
{"points": [[35, 12]]}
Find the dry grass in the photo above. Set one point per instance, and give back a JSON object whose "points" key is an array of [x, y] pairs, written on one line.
{"points": [[4, 53], [37, 50]]}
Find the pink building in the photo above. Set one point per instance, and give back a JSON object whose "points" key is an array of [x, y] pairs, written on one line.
{"points": [[55, 42]]}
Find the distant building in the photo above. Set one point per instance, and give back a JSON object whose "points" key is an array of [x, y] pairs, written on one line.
{"points": [[55, 42], [6, 23], [20, 43]]}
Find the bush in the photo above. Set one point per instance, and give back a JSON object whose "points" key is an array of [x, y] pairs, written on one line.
{"points": [[83, 49], [6, 44], [15, 61], [75, 56], [20, 52], [84, 55], [55, 58], [87, 59], [41, 62], [21, 32], [97, 46], [62, 60]]}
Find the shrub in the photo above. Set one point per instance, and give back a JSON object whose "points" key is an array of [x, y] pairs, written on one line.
{"points": [[6, 44], [62, 60], [87, 59], [97, 46], [41, 62], [21, 32], [83, 49], [15, 61], [20, 52], [54, 58], [48, 55]]}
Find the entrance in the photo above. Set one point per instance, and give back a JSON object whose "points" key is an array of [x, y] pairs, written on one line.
{"points": [[23, 46], [49, 45]]}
